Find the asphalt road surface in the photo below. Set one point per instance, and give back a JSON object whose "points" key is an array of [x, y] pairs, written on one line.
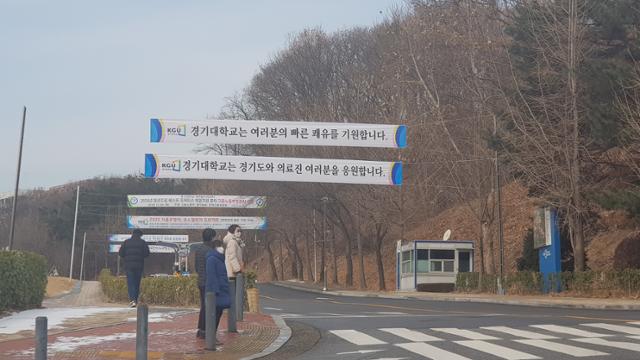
{"points": [[346, 328]]}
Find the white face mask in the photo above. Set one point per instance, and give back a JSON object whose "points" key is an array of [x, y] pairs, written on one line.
{"points": [[220, 250]]}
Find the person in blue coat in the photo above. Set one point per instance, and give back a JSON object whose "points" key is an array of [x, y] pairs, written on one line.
{"points": [[217, 280]]}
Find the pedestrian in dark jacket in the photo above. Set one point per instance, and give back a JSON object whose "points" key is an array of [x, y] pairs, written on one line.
{"points": [[217, 280], [201, 251], [134, 251]]}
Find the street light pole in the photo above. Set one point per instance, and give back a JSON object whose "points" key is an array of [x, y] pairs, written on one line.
{"points": [[15, 194], [324, 240], [315, 259]]}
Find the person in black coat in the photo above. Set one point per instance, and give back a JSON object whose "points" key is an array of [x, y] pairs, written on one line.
{"points": [[134, 251], [201, 251]]}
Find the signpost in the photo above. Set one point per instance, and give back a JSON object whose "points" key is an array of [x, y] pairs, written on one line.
{"points": [[256, 132], [195, 222], [547, 241], [197, 201], [273, 169]]}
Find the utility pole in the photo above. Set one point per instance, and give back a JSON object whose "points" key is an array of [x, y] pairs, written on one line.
{"points": [[84, 243], [15, 194], [75, 223], [499, 208]]}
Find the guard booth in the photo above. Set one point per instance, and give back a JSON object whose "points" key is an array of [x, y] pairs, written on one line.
{"points": [[431, 262]]}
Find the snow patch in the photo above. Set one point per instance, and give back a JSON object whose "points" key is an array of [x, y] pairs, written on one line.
{"points": [[26, 320]]}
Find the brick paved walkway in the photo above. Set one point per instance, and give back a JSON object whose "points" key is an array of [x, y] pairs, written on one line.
{"points": [[171, 339]]}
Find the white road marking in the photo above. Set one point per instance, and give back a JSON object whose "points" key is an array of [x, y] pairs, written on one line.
{"points": [[322, 298], [615, 344], [385, 312], [410, 335], [569, 330], [635, 323], [472, 335], [617, 328], [496, 350], [358, 352], [561, 348], [635, 337], [357, 337], [431, 352], [270, 308], [520, 333]]}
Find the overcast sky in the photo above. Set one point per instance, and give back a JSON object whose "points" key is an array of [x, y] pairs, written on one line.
{"points": [[92, 73]]}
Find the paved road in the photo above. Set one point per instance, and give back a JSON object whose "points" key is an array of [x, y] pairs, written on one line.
{"points": [[371, 328]]}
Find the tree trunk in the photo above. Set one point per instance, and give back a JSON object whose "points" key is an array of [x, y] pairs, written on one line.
{"points": [[363, 280], [310, 274], [380, 235], [486, 237], [272, 262], [335, 256]]}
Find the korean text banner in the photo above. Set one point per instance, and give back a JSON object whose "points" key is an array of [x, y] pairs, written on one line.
{"points": [[151, 238], [197, 201], [254, 132], [195, 222], [156, 249], [273, 169]]}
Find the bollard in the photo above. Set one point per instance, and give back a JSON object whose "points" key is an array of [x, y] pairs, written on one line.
{"points": [[210, 322], [142, 332], [41, 338], [240, 297], [231, 313]]}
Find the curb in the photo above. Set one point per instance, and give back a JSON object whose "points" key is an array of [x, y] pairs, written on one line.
{"points": [[285, 334], [531, 303]]}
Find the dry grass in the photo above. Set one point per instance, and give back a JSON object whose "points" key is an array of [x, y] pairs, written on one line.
{"points": [[57, 285]]}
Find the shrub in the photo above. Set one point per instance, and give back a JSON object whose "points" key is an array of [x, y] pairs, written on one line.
{"points": [[170, 290], [24, 280], [624, 283]]}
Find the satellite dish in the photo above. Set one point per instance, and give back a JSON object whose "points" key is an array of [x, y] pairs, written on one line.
{"points": [[447, 235]]}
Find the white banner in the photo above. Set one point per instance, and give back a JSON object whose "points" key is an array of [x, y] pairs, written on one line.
{"points": [[257, 132], [155, 249], [197, 201], [195, 222], [150, 238], [273, 169]]}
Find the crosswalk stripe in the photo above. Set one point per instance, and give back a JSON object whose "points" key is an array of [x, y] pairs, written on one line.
{"points": [[635, 323], [472, 335], [561, 348], [357, 337], [615, 344], [618, 328], [410, 335], [520, 333], [431, 352], [569, 330], [496, 350], [635, 337]]}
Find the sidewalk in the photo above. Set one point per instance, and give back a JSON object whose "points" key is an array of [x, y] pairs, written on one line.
{"points": [[108, 331], [171, 336], [538, 301]]}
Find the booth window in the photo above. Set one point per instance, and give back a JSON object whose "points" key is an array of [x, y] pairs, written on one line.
{"points": [[464, 261], [407, 262], [442, 260], [422, 261]]}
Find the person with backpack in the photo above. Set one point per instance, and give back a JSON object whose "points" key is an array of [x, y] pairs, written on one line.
{"points": [[217, 280], [134, 250], [201, 251]]}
